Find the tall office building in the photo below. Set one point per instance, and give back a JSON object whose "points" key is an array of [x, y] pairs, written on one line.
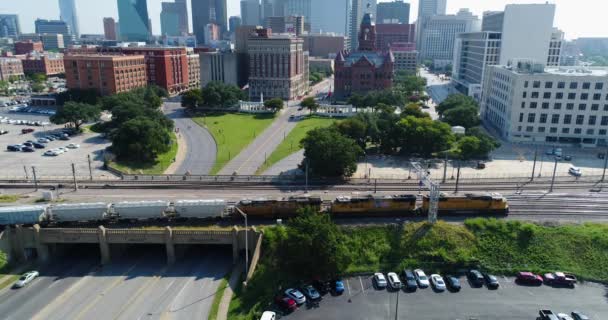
{"points": [[267, 9], [109, 28], [55, 27], [250, 12], [174, 18], [9, 26], [134, 20], [356, 11], [427, 9], [67, 13], [328, 16], [205, 12], [234, 22], [393, 12], [555, 48], [439, 35]]}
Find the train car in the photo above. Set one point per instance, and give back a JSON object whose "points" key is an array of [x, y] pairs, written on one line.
{"points": [[199, 209], [281, 208], [140, 210], [470, 203], [374, 205], [79, 212], [27, 215]]}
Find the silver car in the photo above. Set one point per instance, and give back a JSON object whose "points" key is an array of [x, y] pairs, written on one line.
{"points": [[26, 278]]}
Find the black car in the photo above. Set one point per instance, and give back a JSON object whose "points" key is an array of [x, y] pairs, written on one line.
{"points": [[39, 145], [50, 138], [409, 281], [14, 148], [65, 138], [579, 316], [28, 144], [452, 283], [27, 149], [322, 286], [491, 281], [476, 278]]}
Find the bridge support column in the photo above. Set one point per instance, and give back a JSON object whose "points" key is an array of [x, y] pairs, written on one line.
{"points": [[235, 245], [17, 244], [104, 248], [41, 249], [169, 245]]}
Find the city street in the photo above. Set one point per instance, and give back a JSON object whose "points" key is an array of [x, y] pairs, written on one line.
{"points": [[138, 285]]}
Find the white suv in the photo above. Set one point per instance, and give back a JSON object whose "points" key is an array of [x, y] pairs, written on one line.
{"points": [[380, 280], [421, 278], [394, 281]]}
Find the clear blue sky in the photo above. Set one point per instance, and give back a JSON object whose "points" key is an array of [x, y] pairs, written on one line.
{"points": [[578, 18]]}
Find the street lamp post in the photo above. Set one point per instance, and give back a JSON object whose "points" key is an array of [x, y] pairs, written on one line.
{"points": [[605, 165], [553, 179]]}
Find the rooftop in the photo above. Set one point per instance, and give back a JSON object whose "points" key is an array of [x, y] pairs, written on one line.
{"points": [[578, 71], [375, 58]]}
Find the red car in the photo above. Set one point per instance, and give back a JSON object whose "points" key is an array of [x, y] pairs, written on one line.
{"points": [[529, 278], [560, 279], [286, 303], [27, 130]]}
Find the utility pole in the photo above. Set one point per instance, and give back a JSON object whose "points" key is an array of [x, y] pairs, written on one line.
{"points": [[534, 166], [445, 168], [90, 169], [74, 176], [457, 177], [35, 180], [434, 191], [605, 165], [553, 179], [306, 161]]}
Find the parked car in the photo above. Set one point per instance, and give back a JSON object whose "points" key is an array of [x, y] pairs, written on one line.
{"points": [[575, 171], [285, 303], [3, 132], [547, 315], [27, 130], [568, 158], [560, 279], [577, 315], [394, 281], [64, 138], [296, 295], [63, 150], [50, 138], [338, 286], [558, 152], [529, 278], [563, 316], [322, 286], [438, 282], [421, 278], [38, 145], [475, 277], [26, 278], [311, 293], [28, 149], [14, 147], [51, 153], [43, 140], [28, 144], [452, 283], [410, 280], [73, 146], [379, 280], [491, 281], [268, 315]]}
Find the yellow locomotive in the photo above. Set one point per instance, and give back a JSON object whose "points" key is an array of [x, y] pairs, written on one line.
{"points": [[470, 203], [374, 205]]}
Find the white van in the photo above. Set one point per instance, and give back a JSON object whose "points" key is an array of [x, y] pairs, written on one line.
{"points": [[268, 315]]}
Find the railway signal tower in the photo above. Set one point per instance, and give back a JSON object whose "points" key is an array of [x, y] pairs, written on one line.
{"points": [[434, 190]]}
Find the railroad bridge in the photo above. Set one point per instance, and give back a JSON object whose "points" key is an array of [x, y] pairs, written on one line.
{"points": [[21, 239]]}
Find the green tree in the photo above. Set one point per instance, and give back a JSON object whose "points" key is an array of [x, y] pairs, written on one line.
{"points": [[454, 101], [219, 95], [466, 116], [38, 87], [329, 153], [408, 83], [414, 109], [353, 128], [192, 99], [423, 136], [314, 246], [4, 85], [152, 100], [88, 96], [37, 77], [140, 139], [310, 103], [469, 147], [76, 114], [275, 104]]}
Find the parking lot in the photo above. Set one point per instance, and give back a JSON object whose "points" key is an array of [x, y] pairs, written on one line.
{"points": [[13, 163], [511, 301]]}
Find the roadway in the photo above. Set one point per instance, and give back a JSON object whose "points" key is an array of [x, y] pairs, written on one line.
{"points": [[250, 159], [437, 89], [137, 286], [200, 148]]}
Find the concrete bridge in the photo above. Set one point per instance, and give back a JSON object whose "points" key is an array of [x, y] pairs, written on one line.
{"points": [[19, 241]]}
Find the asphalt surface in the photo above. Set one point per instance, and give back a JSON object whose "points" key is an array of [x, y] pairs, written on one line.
{"points": [[201, 149], [511, 301], [437, 89], [137, 286]]}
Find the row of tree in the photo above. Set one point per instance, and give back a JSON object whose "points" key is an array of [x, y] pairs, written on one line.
{"points": [[213, 95]]}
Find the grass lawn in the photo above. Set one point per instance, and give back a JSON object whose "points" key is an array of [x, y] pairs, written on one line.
{"points": [[218, 297], [8, 198], [291, 144], [497, 246], [163, 161], [232, 132]]}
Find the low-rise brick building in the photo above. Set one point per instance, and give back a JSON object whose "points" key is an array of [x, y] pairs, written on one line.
{"points": [[25, 47], [49, 63], [108, 74], [10, 67]]}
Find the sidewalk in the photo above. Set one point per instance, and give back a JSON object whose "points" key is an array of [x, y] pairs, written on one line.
{"points": [[233, 282]]}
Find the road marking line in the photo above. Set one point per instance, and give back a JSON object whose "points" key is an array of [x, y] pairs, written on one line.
{"points": [[361, 281], [348, 286], [131, 301]]}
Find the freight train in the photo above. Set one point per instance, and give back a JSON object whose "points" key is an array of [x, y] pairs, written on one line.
{"points": [[344, 206]]}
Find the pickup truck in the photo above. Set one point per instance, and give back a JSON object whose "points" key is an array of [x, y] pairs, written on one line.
{"points": [[560, 279], [547, 315]]}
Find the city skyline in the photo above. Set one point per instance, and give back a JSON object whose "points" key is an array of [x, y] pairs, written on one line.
{"points": [[577, 19]]}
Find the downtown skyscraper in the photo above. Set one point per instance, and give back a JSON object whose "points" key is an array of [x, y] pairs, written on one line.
{"points": [[174, 18], [67, 14], [205, 12], [134, 20]]}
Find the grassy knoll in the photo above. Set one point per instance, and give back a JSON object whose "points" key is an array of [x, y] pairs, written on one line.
{"points": [[163, 161], [8, 198], [494, 245], [291, 143], [215, 305], [232, 133]]}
